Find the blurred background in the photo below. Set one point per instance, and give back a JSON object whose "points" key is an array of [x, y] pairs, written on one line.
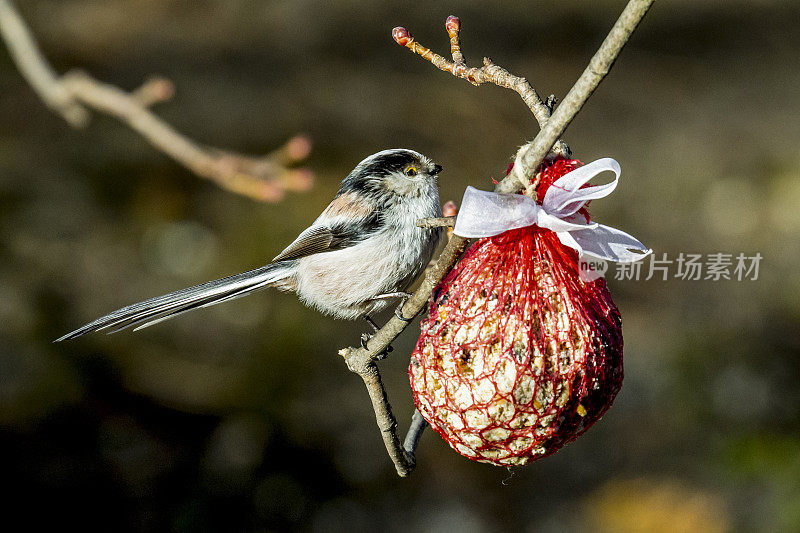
{"points": [[242, 417]]}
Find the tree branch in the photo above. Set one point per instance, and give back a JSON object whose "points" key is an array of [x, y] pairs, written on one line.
{"points": [[489, 72], [34, 67], [363, 360], [265, 178], [530, 156], [403, 462]]}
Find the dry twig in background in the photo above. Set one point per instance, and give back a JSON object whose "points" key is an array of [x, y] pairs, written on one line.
{"points": [[363, 361], [264, 178]]}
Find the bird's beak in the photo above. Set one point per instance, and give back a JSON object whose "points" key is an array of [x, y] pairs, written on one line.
{"points": [[436, 169]]}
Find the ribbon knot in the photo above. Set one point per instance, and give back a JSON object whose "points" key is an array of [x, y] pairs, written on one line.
{"points": [[486, 214]]}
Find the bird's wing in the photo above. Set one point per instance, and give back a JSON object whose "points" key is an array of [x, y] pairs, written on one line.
{"points": [[312, 241], [345, 222]]}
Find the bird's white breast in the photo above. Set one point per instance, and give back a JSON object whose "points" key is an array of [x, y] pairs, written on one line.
{"points": [[343, 282]]}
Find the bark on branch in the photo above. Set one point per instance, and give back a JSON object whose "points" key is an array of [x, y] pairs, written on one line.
{"points": [[73, 95]]}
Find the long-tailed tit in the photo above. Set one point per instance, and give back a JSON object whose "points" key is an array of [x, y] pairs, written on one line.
{"points": [[363, 250]]}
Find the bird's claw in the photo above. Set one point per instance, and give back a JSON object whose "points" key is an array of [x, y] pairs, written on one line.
{"points": [[398, 311], [365, 338]]}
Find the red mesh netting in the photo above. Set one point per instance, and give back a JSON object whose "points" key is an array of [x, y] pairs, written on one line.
{"points": [[518, 355]]}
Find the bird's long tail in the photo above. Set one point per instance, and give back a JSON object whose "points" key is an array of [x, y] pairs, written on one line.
{"points": [[155, 310]]}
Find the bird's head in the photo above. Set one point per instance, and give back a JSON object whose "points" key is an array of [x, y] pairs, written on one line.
{"points": [[398, 171]]}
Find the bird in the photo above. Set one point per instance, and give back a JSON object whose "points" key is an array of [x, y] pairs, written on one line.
{"points": [[364, 251]]}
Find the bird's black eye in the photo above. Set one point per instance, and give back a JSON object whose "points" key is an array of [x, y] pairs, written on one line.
{"points": [[411, 171]]}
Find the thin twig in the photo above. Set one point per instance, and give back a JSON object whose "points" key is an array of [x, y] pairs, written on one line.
{"points": [[418, 425], [404, 463], [264, 178], [530, 156], [446, 222], [489, 72], [154, 91]]}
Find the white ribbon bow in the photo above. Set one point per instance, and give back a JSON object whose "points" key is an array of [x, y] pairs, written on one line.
{"points": [[485, 214]]}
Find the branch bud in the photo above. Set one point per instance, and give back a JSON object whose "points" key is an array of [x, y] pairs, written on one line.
{"points": [[298, 147], [162, 88], [453, 25], [401, 36]]}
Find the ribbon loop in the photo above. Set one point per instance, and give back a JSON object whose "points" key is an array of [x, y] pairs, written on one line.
{"points": [[565, 196], [486, 214]]}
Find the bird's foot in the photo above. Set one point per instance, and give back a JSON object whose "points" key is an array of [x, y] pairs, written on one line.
{"points": [[375, 326], [398, 311], [403, 297], [365, 338]]}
